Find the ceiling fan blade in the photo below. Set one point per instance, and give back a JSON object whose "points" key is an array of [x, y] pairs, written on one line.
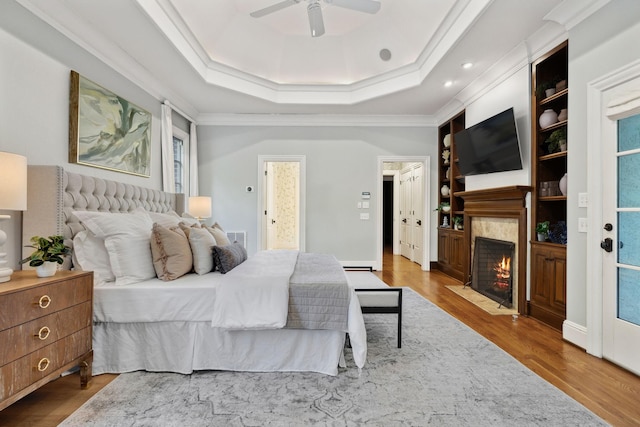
{"points": [[273, 8], [315, 19], [366, 6]]}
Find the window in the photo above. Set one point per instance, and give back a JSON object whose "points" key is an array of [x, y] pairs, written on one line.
{"points": [[181, 160]]}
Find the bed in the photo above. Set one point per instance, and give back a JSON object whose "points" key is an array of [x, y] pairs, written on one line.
{"points": [[195, 322]]}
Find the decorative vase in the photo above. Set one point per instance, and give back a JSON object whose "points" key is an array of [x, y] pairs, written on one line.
{"points": [[445, 190], [446, 209], [563, 185], [548, 118], [563, 145], [447, 140], [447, 173], [550, 92], [542, 237], [445, 156], [47, 269], [563, 115], [561, 85]]}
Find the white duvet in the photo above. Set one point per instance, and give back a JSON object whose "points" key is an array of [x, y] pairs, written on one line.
{"points": [[255, 294]]}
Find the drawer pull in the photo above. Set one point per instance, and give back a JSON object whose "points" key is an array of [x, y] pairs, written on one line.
{"points": [[43, 333], [44, 301], [43, 364]]}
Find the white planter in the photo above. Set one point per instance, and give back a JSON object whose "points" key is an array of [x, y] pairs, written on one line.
{"points": [[47, 269], [563, 185]]}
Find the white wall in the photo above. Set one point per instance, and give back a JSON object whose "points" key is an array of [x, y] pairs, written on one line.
{"points": [[341, 164], [34, 110]]}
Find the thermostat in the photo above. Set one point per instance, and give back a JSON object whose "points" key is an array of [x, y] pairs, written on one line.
{"points": [[366, 195]]}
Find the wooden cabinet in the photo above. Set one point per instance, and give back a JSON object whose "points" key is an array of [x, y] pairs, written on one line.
{"points": [[451, 254], [548, 290], [45, 329], [548, 167]]}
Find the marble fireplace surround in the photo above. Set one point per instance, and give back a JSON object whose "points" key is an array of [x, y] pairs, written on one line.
{"points": [[499, 213]]}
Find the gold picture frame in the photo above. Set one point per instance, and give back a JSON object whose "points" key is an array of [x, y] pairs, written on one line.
{"points": [[106, 131]]}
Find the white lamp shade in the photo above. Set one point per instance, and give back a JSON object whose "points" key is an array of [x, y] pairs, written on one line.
{"points": [[13, 182], [200, 206]]}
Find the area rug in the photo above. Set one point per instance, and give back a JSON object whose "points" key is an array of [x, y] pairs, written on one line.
{"points": [[476, 298], [445, 374]]}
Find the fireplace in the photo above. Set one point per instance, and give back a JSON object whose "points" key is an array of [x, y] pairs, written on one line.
{"points": [[492, 273], [499, 214]]}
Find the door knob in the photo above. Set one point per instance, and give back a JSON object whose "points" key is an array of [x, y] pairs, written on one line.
{"points": [[404, 220], [607, 244], [273, 221], [608, 227], [419, 222]]}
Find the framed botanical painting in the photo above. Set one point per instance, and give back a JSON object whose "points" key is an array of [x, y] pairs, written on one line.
{"points": [[107, 131]]}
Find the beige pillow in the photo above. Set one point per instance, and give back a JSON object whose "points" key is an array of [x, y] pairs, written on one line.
{"points": [[171, 252], [219, 235], [202, 243], [186, 227]]}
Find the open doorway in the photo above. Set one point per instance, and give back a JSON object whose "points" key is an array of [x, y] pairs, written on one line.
{"points": [[402, 207], [281, 193]]}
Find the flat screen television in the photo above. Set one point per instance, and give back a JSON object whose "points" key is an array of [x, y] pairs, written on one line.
{"points": [[489, 146]]}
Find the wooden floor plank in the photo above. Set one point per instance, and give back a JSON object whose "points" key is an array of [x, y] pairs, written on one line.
{"points": [[607, 390]]}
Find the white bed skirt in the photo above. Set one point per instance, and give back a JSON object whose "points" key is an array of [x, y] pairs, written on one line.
{"points": [[192, 346]]}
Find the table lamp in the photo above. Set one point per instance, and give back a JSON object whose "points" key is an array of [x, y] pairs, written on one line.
{"points": [[200, 207], [13, 197]]}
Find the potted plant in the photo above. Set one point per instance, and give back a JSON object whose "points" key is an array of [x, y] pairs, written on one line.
{"points": [[48, 253], [557, 140], [543, 87], [443, 207], [542, 230], [457, 222]]}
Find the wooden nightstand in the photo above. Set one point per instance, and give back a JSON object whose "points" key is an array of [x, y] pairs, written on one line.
{"points": [[45, 329]]}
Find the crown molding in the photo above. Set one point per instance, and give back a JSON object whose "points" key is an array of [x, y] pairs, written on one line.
{"points": [[318, 120], [460, 18], [570, 13]]}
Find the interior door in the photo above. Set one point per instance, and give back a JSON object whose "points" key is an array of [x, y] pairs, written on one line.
{"points": [[282, 212], [621, 243], [405, 215], [417, 211]]}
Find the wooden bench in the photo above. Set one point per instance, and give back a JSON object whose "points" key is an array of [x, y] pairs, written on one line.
{"points": [[379, 300]]}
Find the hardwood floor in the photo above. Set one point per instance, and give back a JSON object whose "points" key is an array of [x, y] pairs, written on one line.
{"points": [[607, 390]]}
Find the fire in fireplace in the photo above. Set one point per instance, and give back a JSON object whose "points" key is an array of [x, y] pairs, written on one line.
{"points": [[492, 269]]}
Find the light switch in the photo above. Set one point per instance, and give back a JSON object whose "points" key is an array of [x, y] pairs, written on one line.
{"points": [[583, 225], [364, 216], [365, 205], [359, 205], [583, 200]]}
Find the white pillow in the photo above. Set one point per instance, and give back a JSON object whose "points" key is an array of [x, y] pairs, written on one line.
{"points": [[126, 237], [189, 219], [169, 219], [90, 254], [202, 243]]}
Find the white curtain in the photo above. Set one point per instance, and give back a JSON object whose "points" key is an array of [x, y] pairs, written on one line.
{"points": [[168, 178], [193, 161]]}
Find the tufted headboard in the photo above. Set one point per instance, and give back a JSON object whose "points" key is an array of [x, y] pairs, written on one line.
{"points": [[53, 194]]}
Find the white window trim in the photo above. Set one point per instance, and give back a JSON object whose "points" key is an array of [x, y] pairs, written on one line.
{"points": [[184, 137]]}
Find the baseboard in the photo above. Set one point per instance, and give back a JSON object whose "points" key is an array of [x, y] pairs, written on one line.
{"points": [[574, 333], [361, 263]]}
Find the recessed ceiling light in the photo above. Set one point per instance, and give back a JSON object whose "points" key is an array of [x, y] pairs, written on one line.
{"points": [[448, 83], [385, 54], [467, 65]]}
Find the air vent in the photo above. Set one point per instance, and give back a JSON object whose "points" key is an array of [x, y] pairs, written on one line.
{"points": [[238, 236]]}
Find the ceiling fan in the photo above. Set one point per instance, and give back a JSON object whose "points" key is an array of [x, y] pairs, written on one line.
{"points": [[315, 11]]}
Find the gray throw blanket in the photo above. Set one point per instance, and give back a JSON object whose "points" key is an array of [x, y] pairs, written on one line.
{"points": [[318, 293]]}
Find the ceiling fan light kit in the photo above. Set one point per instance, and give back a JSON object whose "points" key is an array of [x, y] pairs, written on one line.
{"points": [[314, 10]]}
